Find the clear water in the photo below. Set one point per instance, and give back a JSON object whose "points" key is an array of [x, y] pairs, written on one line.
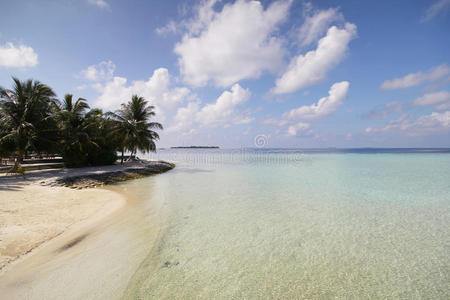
{"points": [[263, 224], [279, 224]]}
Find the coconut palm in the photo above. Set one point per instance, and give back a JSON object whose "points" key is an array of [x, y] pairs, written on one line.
{"points": [[71, 111], [25, 117], [101, 132], [85, 137], [133, 128], [73, 126]]}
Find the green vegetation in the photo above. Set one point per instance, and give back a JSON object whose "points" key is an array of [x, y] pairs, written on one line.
{"points": [[33, 120], [132, 126]]}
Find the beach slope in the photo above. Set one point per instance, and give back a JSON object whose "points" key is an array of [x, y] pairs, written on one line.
{"points": [[41, 205]]}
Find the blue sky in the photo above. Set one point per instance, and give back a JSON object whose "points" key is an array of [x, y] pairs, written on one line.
{"points": [[296, 73]]}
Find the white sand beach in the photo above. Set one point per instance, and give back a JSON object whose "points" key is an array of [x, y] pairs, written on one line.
{"points": [[32, 213], [107, 231]]}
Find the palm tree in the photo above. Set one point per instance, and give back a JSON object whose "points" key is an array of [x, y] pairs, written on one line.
{"points": [[133, 128], [74, 138], [25, 117], [101, 132], [71, 111], [70, 115]]}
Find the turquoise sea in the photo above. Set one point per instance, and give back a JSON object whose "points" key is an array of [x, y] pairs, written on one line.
{"points": [[265, 224], [290, 224]]}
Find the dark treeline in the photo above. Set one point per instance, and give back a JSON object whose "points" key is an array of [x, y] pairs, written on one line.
{"points": [[33, 120]]}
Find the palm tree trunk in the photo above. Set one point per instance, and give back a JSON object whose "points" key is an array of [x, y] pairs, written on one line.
{"points": [[17, 162], [121, 160]]}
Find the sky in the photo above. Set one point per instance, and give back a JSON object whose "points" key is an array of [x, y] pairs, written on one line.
{"points": [[284, 73]]}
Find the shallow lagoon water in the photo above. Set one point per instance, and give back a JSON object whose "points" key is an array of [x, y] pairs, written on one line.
{"points": [[295, 225], [263, 224]]}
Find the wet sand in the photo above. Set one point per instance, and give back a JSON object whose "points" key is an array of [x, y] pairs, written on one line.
{"points": [[32, 213], [34, 208], [95, 258]]}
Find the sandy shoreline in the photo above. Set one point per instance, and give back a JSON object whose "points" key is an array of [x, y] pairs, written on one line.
{"points": [[32, 212]]}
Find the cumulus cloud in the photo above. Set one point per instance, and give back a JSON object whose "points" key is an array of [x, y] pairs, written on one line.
{"points": [[295, 118], [214, 50], [157, 90], [440, 100], [414, 79], [316, 23], [424, 125], [434, 121], [308, 69], [297, 129], [21, 56], [100, 3], [223, 112], [438, 7], [99, 72], [219, 113], [185, 117], [323, 107]]}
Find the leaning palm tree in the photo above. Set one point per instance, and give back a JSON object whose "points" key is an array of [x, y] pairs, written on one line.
{"points": [[133, 128], [25, 117]]}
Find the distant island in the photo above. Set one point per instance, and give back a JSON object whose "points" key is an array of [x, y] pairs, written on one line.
{"points": [[195, 147]]}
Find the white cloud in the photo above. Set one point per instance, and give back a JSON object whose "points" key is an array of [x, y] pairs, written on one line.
{"points": [[100, 3], [297, 129], [82, 87], [99, 72], [170, 27], [316, 24], [308, 69], [234, 44], [324, 106], [414, 79], [185, 117], [441, 100], [438, 7], [156, 90], [424, 125], [222, 112], [204, 14], [435, 121], [21, 56]]}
